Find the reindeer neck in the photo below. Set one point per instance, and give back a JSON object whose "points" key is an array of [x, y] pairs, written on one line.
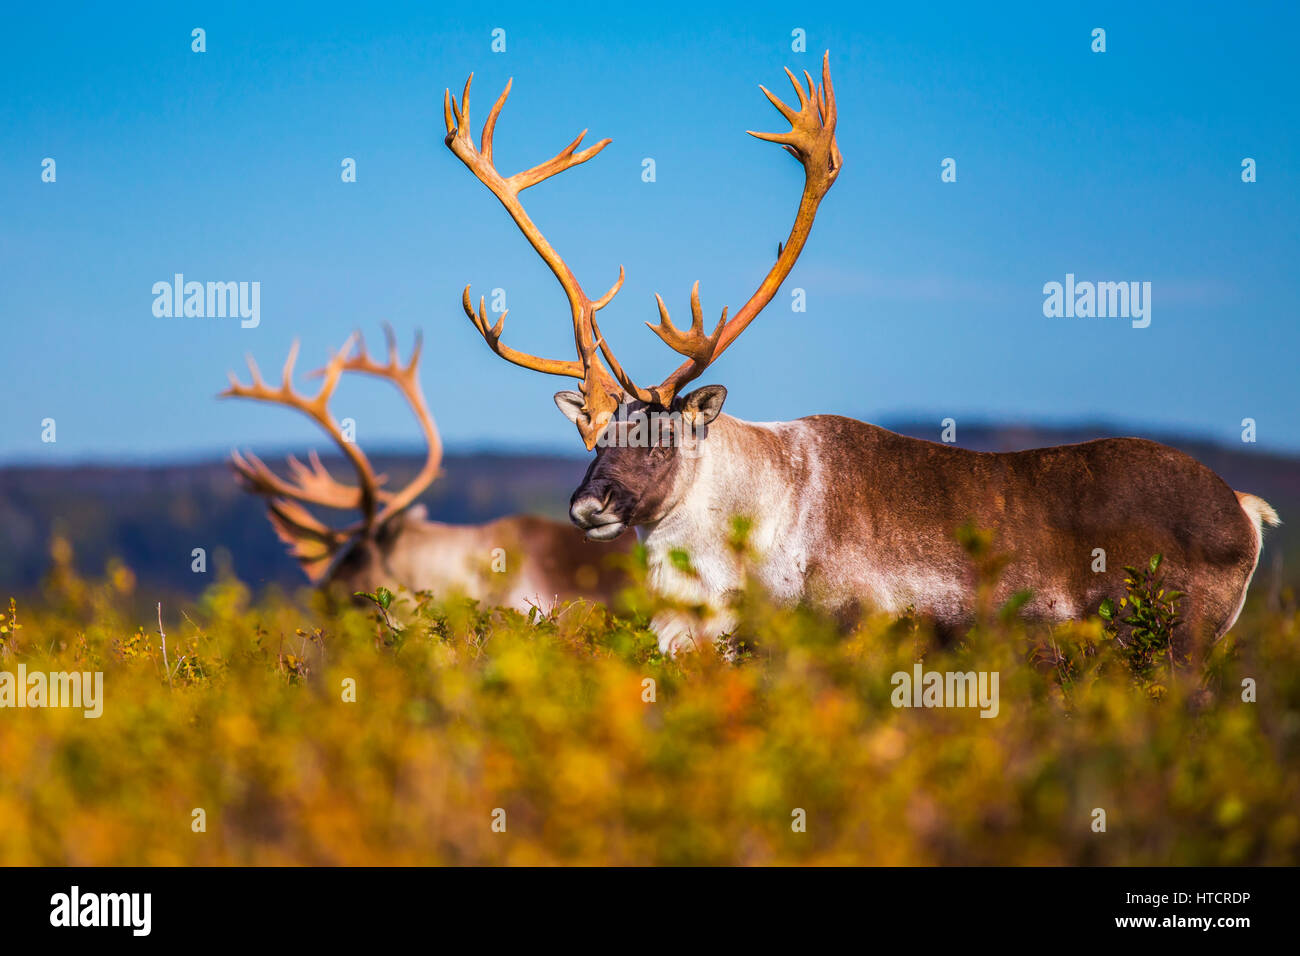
{"points": [[741, 467]]}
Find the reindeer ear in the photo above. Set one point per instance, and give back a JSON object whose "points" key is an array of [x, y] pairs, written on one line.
{"points": [[570, 405], [703, 405]]}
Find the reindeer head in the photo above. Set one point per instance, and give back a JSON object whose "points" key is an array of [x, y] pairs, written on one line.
{"points": [[355, 556], [646, 460], [633, 483]]}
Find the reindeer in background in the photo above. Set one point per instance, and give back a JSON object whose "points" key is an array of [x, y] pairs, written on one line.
{"points": [[845, 515], [393, 544]]}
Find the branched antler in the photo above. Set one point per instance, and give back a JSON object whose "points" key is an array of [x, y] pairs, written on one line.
{"points": [[312, 483], [811, 140], [314, 486], [598, 386], [407, 379]]}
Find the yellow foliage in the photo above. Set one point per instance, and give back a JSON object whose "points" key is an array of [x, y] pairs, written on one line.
{"points": [[466, 712]]}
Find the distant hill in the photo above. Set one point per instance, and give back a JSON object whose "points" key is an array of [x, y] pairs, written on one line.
{"points": [[153, 516]]}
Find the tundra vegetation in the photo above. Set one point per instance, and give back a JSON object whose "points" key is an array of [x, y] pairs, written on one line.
{"points": [[601, 750]]}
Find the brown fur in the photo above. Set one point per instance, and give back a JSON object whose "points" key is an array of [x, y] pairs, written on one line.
{"points": [[1049, 508], [545, 561]]}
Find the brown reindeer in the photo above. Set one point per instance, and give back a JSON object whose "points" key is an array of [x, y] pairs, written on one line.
{"points": [[518, 561], [844, 514]]}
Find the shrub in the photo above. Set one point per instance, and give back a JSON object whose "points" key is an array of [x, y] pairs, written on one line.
{"points": [[599, 750]]}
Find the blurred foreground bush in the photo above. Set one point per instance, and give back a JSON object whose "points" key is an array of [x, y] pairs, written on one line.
{"points": [[464, 711]]}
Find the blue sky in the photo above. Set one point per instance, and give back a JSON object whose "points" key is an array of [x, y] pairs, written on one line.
{"points": [[924, 298]]}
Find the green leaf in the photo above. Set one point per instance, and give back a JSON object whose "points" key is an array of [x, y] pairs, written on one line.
{"points": [[1155, 562], [1107, 609]]}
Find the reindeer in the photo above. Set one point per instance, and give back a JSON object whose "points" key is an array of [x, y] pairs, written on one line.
{"points": [[843, 514], [518, 562]]}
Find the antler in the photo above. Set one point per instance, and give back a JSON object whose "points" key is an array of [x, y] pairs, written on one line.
{"points": [[407, 379], [310, 541], [600, 390], [313, 484], [811, 140]]}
